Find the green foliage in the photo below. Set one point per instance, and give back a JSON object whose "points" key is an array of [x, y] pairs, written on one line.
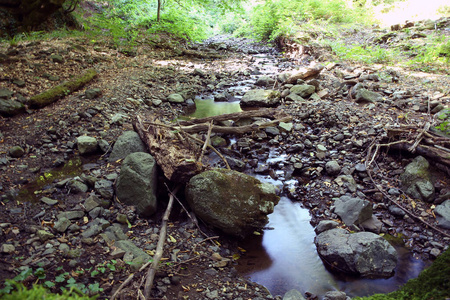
{"points": [[274, 18], [38, 292], [433, 56], [443, 118], [68, 285], [191, 26], [432, 283], [366, 54]]}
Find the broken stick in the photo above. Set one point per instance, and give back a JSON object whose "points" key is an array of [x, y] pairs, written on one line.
{"points": [[159, 247]]}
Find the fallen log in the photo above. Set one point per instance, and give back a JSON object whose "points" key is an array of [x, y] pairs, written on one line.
{"points": [[48, 97], [238, 130], [177, 152], [305, 74], [265, 112], [422, 141]]}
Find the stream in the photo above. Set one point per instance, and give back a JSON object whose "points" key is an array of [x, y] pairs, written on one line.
{"points": [[284, 257]]}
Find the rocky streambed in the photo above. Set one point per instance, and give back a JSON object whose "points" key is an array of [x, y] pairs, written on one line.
{"points": [[72, 231]]}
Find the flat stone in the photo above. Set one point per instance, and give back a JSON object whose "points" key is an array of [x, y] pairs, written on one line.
{"points": [[44, 235], [7, 248], [5, 94], [104, 188], [353, 210], [71, 215], [325, 225], [62, 224], [293, 295], [93, 93], [175, 98], [49, 201]]}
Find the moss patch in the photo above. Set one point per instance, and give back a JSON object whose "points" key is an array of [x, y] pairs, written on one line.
{"points": [[64, 89]]}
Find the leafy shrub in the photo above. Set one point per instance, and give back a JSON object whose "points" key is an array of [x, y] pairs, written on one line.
{"points": [[282, 17], [38, 292]]}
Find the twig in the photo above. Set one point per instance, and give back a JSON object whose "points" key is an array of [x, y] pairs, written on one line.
{"points": [[212, 148], [378, 146], [159, 247], [130, 277], [208, 138], [419, 137], [188, 214]]}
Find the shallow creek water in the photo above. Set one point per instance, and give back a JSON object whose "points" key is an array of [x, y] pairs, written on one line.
{"points": [[285, 257]]}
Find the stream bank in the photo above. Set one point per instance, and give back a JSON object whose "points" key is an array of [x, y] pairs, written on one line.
{"points": [[135, 84]]}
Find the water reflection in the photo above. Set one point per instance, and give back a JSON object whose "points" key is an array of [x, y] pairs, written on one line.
{"points": [[208, 108], [295, 263], [285, 258]]}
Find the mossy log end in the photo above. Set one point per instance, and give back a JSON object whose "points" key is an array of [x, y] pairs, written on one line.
{"points": [[53, 94]]}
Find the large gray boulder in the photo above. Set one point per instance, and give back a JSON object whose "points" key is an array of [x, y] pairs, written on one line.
{"points": [[236, 203], [363, 253], [353, 210], [416, 180], [442, 212], [260, 97], [129, 142], [136, 184]]}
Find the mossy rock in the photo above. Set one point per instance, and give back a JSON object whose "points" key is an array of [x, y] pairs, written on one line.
{"points": [[432, 283]]}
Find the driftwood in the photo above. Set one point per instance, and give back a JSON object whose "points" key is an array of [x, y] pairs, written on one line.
{"points": [[177, 152], [159, 247], [265, 112], [421, 141], [238, 130], [59, 91], [305, 73]]}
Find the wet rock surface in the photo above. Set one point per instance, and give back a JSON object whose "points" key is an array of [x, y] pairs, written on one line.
{"points": [[322, 150]]}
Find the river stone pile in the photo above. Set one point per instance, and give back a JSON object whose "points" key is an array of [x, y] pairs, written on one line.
{"points": [[236, 203]]}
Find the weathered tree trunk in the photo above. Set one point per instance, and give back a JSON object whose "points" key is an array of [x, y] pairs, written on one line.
{"points": [[53, 94], [173, 148], [174, 154], [158, 12]]}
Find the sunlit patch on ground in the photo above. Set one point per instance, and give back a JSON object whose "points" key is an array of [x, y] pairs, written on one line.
{"points": [[412, 10]]}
